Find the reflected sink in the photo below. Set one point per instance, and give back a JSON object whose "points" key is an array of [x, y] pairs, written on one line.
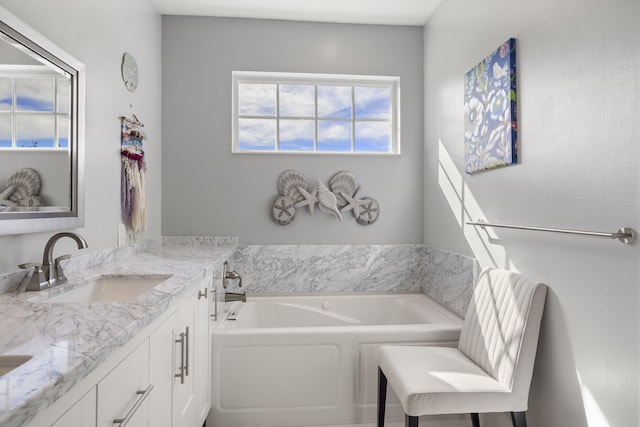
{"points": [[115, 288], [10, 362]]}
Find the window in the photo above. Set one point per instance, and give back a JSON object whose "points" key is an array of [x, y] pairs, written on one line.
{"points": [[314, 113], [34, 110]]}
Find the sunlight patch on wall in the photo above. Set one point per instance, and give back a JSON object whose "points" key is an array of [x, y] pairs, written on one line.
{"points": [[465, 207], [595, 417]]}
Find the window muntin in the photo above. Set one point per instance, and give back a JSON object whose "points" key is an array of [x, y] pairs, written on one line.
{"points": [[34, 111], [312, 113]]}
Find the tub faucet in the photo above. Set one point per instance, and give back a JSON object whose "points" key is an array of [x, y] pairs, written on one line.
{"points": [[227, 274], [233, 296], [49, 273]]}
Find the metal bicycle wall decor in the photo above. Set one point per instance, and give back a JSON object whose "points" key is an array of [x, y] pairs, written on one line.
{"points": [[340, 196]]}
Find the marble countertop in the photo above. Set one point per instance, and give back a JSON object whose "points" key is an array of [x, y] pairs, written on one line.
{"points": [[69, 340]]}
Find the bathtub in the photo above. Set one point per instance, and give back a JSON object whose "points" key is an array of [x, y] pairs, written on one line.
{"points": [[310, 360]]}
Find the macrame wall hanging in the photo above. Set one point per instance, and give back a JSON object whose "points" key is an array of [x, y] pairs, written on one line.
{"points": [[132, 196]]}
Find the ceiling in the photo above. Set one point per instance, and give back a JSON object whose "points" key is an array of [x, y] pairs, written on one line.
{"points": [[389, 12]]}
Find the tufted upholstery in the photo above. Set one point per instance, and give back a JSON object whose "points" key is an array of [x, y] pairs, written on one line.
{"points": [[494, 327], [491, 369]]}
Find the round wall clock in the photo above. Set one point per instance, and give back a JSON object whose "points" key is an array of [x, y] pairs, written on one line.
{"points": [[129, 71]]}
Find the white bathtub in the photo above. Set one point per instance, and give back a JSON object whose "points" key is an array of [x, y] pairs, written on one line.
{"points": [[310, 360]]}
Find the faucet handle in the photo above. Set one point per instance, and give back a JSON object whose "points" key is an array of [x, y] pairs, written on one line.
{"points": [[59, 274], [37, 282], [29, 265]]}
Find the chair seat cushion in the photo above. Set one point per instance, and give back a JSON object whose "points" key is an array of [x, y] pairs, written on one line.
{"points": [[440, 380]]}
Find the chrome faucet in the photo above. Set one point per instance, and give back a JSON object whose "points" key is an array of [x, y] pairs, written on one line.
{"points": [[226, 275], [50, 273]]}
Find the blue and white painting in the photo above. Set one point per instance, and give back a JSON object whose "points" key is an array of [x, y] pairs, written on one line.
{"points": [[490, 131]]}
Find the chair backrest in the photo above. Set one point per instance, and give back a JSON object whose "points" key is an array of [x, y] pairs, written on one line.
{"points": [[500, 330]]}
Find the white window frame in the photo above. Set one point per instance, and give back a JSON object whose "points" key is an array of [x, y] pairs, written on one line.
{"points": [[392, 82]]}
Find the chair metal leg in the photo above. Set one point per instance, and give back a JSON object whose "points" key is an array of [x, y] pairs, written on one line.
{"points": [[519, 419], [410, 421], [382, 396], [475, 420]]}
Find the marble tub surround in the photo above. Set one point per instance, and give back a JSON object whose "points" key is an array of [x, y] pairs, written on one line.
{"points": [[449, 279], [68, 341], [199, 241], [330, 268], [281, 269]]}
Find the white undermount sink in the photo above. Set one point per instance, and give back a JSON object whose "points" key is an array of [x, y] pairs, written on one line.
{"points": [[116, 288], [9, 362]]}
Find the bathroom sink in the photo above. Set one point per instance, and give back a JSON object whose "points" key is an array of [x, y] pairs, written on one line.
{"points": [[115, 288], [10, 362]]}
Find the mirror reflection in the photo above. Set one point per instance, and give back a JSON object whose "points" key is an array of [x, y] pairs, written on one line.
{"points": [[38, 131]]}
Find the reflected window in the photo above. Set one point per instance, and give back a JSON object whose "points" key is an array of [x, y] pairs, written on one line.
{"points": [[313, 113], [34, 111]]}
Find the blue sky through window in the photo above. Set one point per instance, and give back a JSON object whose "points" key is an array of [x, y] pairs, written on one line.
{"points": [[308, 117]]}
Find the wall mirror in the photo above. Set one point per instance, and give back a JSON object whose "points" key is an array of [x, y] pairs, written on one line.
{"points": [[41, 132]]}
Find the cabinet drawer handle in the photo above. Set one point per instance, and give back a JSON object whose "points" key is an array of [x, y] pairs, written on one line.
{"points": [[201, 294], [181, 374], [186, 364], [143, 395]]}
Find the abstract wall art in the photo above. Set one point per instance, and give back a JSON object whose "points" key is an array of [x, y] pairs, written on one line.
{"points": [[490, 126]]}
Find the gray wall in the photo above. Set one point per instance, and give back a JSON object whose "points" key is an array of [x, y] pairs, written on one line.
{"points": [[209, 191], [578, 101]]}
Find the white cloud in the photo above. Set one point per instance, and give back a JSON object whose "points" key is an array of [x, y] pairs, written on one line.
{"points": [[257, 133], [334, 101], [297, 129], [373, 102], [334, 131], [297, 100], [34, 127], [257, 99]]}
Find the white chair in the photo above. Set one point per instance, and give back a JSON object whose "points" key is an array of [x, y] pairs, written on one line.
{"points": [[489, 371]]}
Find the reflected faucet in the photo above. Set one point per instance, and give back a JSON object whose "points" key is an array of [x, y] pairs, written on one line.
{"points": [[49, 273]]}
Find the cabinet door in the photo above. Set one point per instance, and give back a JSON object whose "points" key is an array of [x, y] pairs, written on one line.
{"points": [[185, 406], [81, 414], [162, 372], [120, 393], [202, 350]]}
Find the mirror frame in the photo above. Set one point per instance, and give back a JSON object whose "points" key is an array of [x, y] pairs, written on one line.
{"points": [[33, 222]]}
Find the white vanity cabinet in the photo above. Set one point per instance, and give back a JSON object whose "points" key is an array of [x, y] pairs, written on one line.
{"points": [[162, 372], [123, 392], [180, 364], [184, 393], [162, 378], [202, 349], [81, 414]]}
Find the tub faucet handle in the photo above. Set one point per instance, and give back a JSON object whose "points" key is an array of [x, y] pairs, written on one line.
{"points": [[228, 274]]}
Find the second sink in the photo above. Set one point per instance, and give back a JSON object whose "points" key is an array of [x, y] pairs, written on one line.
{"points": [[116, 288], [10, 362]]}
